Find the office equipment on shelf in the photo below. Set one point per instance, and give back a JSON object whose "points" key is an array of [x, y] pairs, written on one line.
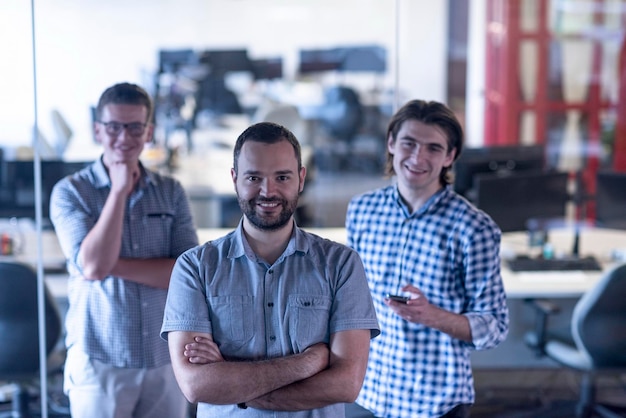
{"points": [[611, 199], [529, 264], [596, 346], [17, 187], [501, 159], [515, 199]]}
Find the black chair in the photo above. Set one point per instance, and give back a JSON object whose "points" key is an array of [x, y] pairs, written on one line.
{"points": [[597, 345], [19, 351]]}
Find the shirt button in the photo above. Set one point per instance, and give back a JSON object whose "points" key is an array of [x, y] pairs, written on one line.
{"points": [[270, 271], [271, 304], [135, 246], [144, 304], [273, 338]]}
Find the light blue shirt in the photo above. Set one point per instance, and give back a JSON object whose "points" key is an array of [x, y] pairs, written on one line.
{"points": [[114, 320], [450, 251], [257, 311]]}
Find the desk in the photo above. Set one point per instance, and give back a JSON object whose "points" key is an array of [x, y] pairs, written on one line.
{"points": [[572, 284], [598, 242], [566, 287], [566, 284]]}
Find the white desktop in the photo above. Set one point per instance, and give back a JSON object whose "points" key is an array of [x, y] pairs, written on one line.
{"points": [[564, 287]]}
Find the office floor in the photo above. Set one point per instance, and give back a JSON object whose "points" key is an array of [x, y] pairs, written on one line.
{"points": [[538, 393]]}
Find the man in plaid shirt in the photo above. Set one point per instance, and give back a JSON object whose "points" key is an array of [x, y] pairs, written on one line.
{"points": [[419, 238]]}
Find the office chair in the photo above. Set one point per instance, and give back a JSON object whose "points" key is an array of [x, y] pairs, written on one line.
{"points": [[19, 351], [341, 117], [597, 345], [343, 113]]}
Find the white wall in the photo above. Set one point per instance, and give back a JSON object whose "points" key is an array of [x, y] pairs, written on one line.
{"points": [[83, 46]]}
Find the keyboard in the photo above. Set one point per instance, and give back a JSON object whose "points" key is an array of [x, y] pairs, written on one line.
{"points": [[522, 263]]}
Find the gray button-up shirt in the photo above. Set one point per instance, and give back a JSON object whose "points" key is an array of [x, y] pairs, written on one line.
{"points": [[259, 311], [114, 320]]}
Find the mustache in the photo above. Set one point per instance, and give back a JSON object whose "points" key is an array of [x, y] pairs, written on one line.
{"points": [[267, 200]]}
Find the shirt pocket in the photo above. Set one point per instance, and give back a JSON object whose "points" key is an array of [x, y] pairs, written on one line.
{"points": [[156, 229], [232, 321], [308, 320]]}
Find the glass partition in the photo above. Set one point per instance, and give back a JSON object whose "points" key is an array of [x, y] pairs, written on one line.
{"points": [[214, 67]]}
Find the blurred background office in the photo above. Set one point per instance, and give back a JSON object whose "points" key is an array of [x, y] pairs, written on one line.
{"points": [[523, 72], [540, 86]]}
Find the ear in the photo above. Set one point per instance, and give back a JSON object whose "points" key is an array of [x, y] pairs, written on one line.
{"points": [[390, 144], [97, 131], [149, 132], [450, 158], [302, 177]]}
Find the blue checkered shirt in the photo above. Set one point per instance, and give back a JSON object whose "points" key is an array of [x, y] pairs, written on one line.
{"points": [[450, 251], [114, 320]]}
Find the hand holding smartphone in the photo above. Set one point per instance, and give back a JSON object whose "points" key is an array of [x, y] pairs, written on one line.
{"points": [[398, 298]]}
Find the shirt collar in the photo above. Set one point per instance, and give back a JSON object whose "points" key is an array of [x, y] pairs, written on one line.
{"points": [[442, 195], [297, 243]]}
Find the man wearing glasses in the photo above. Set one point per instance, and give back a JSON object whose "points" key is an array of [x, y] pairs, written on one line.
{"points": [[121, 227]]}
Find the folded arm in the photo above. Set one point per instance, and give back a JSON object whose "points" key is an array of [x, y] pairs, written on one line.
{"points": [[230, 382], [341, 381]]}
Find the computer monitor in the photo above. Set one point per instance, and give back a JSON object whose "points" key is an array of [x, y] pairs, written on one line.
{"points": [[267, 68], [171, 60], [513, 200], [611, 199], [320, 60], [368, 58], [501, 159], [222, 61], [17, 188]]}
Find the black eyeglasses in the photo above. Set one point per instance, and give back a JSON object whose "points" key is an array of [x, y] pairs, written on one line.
{"points": [[115, 128]]}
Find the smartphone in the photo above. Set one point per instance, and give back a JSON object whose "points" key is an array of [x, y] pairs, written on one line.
{"points": [[398, 298]]}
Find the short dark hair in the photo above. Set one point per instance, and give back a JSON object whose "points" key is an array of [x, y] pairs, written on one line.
{"points": [[430, 113], [268, 133], [125, 93]]}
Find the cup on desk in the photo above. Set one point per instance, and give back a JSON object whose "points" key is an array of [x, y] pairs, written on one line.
{"points": [[6, 244]]}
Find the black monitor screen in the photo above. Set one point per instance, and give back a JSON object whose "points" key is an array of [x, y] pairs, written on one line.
{"points": [[171, 60], [267, 68], [222, 61], [319, 60], [611, 200], [504, 159], [513, 200], [17, 189]]}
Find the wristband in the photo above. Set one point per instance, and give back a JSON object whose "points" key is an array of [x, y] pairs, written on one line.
{"points": [[242, 405]]}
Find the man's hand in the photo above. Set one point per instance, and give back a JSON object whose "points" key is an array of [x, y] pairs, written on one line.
{"points": [[123, 177], [202, 351], [415, 309], [420, 311]]}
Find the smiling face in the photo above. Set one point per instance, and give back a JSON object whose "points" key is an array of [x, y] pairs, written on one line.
{"points": [[268, 183], [420, 151], [125, 146]]}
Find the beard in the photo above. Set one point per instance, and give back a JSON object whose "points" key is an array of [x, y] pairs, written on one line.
{"points": [[264, 223]]}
